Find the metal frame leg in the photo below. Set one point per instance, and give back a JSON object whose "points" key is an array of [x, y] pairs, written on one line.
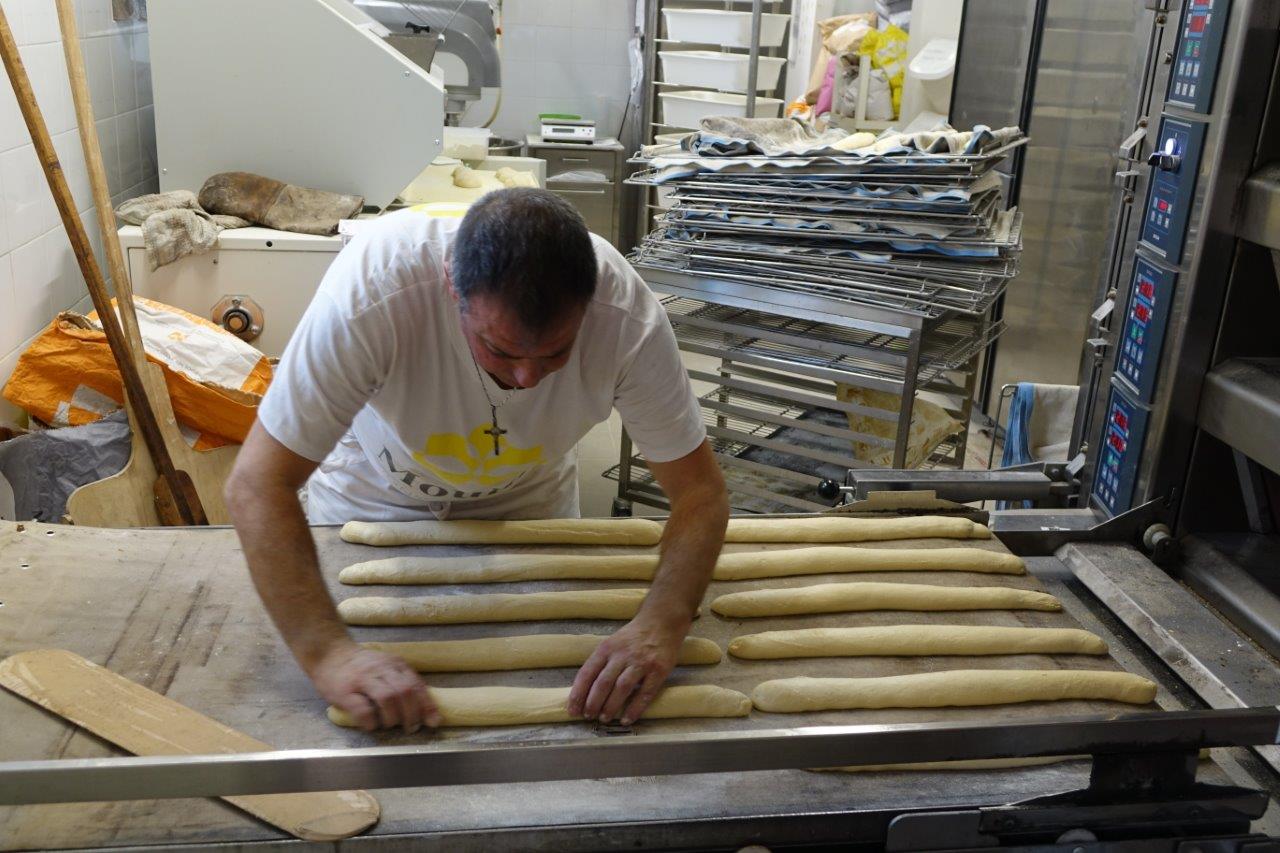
{"points": [[908, 399]]}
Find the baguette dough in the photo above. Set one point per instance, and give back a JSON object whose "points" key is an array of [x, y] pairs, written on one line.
{"points": [[862, 596], [833, 528], [497, 568], [537, 651], [493, 607], [832, 559], [951, 688], [922, 640], [823, 559], [521, 706], [554, 531]]}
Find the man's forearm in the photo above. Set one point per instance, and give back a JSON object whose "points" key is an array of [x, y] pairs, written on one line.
{"points": [[281, 554], [690, 545]]}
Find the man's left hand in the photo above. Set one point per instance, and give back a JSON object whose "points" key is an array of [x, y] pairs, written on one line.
{"points": [[626, 671]]}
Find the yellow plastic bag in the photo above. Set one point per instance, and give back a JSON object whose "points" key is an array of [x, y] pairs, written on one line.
{"points": [[67, 377], [888, 51]]}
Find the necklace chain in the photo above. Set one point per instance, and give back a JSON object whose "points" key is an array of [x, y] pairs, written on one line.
{"points": [[485, 388]]}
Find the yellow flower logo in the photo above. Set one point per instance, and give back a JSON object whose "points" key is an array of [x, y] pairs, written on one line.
{"points": [[470, 461]]}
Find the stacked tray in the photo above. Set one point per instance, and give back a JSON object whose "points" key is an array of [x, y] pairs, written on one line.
{"points": [[904, 229]]}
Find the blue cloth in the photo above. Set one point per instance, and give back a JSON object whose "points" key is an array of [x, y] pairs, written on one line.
{"points": [[1017, 450]]}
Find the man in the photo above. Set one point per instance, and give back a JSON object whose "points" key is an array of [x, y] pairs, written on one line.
{"points": [[447, 370]]}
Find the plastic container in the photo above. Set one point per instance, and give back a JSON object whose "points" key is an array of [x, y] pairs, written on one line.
{"points": [[936, 61], [687, 109], [927, 87], [715, 70], [730, 29]]}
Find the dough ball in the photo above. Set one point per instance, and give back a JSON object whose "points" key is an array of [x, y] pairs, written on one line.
{"points": [[466, 178]]}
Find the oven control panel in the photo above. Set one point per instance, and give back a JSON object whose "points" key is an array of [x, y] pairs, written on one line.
{"points": [[1122, 437], [1142, 334], [1195, 64], [1171, 190]]}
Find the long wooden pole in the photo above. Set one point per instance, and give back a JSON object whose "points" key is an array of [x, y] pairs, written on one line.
{"points": [[174, 488], [98, 178]]}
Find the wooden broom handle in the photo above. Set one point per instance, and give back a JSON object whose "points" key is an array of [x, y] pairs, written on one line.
{"points": [[120, 350], [98, 179]]}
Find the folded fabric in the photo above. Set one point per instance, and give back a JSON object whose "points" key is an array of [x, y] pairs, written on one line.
{"points": [[728, 135], [725, 138], [275, 204], [174, 225]]}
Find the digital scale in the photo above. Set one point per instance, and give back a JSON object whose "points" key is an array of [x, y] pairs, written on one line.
{"points": [[567, 128]]}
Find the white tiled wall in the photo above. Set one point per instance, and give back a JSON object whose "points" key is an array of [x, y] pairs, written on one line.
{"points": [[563, 56], [38, 273]]}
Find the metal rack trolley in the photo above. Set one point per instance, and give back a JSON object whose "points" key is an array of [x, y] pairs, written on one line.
{"points": [[799, 322]]}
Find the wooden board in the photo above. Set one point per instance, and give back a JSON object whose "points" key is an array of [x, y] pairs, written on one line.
{"points": [[126, 499], [146, 723], [174, 610]]}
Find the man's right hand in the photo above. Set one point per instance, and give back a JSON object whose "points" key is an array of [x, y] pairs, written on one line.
{"points": [[377, 689]]}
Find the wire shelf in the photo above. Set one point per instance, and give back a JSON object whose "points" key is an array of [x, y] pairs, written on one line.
{"points": [[851, 209], [926, 286], [1000, 238], [839, 354]]}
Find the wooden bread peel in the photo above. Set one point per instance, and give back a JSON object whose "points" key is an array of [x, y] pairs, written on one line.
{"points": [[143, 722]]}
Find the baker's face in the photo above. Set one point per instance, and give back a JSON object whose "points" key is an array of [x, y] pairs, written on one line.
{"points": [[510, 353]]}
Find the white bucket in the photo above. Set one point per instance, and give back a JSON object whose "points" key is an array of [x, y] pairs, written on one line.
{"points": [[715, 70], [687, 109], [730, 29]]}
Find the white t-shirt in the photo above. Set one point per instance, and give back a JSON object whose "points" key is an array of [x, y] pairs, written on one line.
{"points": [[378, 381]]}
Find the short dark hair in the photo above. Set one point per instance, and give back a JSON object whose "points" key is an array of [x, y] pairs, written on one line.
{"points": [[530, 249]]}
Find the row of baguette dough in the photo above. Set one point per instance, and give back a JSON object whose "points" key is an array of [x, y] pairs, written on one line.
{"points": [[819, 560], [547, 651], [506, 706], [625, 603], [643, 531]]}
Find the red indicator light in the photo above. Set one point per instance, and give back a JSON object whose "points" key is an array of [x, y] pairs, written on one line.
{"points": [[1163, 205], [1120, 419], [1142, 312], [1196, 23], [1147, 289]]}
